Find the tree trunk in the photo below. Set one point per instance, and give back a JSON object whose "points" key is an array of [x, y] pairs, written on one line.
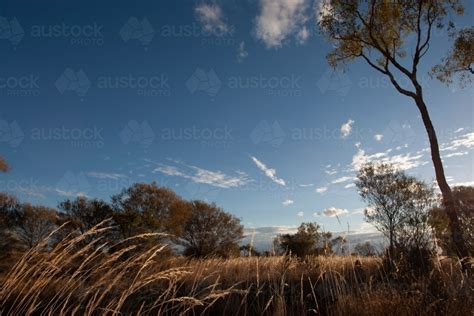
{"points": [[391, 246], [450, 204]]}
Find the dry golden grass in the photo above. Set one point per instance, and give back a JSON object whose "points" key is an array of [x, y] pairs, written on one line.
{"points": [[84, 276]]}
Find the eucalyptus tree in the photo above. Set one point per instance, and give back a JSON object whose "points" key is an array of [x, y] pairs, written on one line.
{"points": [[379, 32]]}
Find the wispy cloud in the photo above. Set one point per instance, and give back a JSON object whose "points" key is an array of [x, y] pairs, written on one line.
{"points": [[321, 190], [212, 19], [280, 19], [333, 211], [464, 184], [342, 179], [199, 175], [269, 172], [68, 193], [106, 175], [288, 202], [457, 154], [346, 128], [242, 52], [378, 137], [401, 161], [302, 35], [459, 142], [300, 214]]}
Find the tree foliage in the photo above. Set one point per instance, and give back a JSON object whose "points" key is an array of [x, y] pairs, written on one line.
{"points": [[304, 242], [398, 204], [209, 231], [459, 60], [144, 208], [365, 249], [84, 213], [384, 33], [440, 221], [3, 165], [33, 223]]}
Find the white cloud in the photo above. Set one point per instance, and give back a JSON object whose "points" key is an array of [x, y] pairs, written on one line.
{"points": [[401, 161], [321, 190], [280, 19], [461, 153], [300, 214], [306, 185], [211, 18], [464, 184], [170, 171], [69, 193], [459, 130], [378, 137], [288, 202], [331, 170], [303, 35], [342, 179], [204, 176], [350, 185], [366, 228], [332, 212], [358, 211], [269, 172], [106, 176], [463, 141], [346, 128], [241, 52]]}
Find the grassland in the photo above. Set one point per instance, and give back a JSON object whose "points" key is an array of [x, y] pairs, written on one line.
{"points": [[85, 276]]}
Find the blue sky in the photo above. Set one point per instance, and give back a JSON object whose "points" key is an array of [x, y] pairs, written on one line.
{"points": [[220, 101]]}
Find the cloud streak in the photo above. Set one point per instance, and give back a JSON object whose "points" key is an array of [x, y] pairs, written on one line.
{"points": [[269, 172], [199, 175]]}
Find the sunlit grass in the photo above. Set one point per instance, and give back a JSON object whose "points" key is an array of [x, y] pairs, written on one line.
{"points": [[86, 276]]}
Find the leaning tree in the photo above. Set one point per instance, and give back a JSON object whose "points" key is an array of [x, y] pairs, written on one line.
{"points": [[379, 32]]}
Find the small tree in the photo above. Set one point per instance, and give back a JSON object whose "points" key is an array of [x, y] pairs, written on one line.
{"points": [[34, 223], [210, 231], [9, 207], [145, 208], [340, 245], [398, 204], [249, 251], [365, 249], [85, 213], [303, 243]]}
